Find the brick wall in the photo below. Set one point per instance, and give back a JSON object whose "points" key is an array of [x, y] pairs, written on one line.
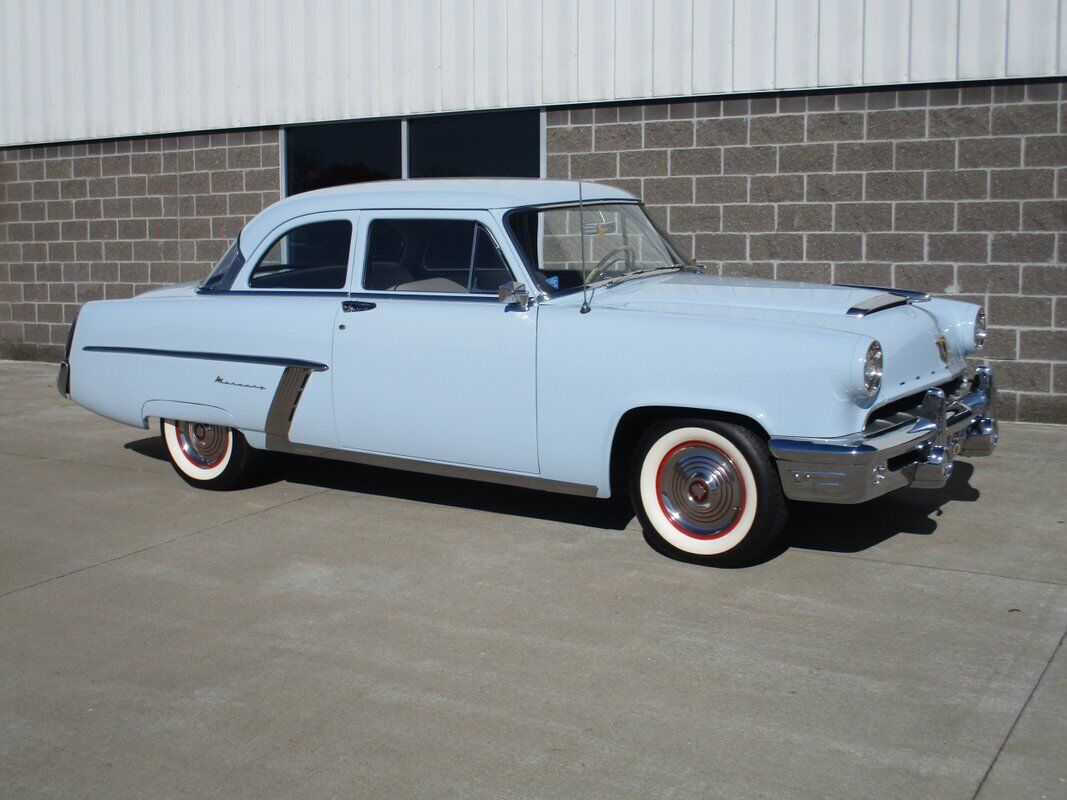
{"points": [[958, 191], [96, 220]]}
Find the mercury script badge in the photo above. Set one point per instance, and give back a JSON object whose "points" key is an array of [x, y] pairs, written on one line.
{"points": [[220, 379]]}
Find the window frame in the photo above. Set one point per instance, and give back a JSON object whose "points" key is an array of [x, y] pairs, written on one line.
{"points": [[243, 281], [489, 222]]}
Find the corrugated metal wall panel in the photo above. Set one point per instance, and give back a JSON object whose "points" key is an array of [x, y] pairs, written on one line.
{"points": [[753, 51], [886, 31], [713, 46], [840, 42], [77, 69], [798, 37], [982, 39], [559, 50], [1033, 30], [933, 41], [672, 48]]}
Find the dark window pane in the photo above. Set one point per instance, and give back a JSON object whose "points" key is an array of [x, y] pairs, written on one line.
{"points": [[312, 256], [490, 271], [432, 255], [347, 152], [504, 144], [449, 247]]}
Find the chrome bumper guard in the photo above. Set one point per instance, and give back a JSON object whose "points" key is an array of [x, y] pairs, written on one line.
{"points": [[918, 452], [63, 380]]}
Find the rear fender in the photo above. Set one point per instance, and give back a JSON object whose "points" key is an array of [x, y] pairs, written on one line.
{"points": [[191, 412]]}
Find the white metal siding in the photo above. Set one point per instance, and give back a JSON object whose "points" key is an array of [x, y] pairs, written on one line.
{"points": [[80, 69]]}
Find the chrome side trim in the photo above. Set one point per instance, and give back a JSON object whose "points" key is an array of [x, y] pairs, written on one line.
{"points": [[880, 302], [432, 468], [269, 361], [286, 397]]}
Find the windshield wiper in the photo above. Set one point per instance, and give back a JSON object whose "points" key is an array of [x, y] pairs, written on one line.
{"points": [[639, 273]]}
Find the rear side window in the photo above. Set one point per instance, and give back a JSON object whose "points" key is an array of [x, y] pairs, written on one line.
{"points": [[433, 255], [312, 256], [225, 269]]}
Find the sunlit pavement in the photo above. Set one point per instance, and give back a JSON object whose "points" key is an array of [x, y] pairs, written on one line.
{"points": [[353, 632]]}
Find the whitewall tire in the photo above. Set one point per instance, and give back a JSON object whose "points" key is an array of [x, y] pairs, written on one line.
{"points": [[207, 456], [708, 491]]}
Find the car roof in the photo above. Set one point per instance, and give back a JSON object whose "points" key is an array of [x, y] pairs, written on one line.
{"points": [[426, 193]]}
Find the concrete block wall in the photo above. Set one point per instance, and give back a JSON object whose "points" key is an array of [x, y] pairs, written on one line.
{"points": [[959, 191], [96, 220]]}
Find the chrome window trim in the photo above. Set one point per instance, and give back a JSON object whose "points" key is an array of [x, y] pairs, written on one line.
{"points": [[461, 297]]}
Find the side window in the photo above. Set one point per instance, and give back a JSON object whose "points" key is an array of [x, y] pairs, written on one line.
{"points": [[313, 256], [432, 255], [489, 271]]}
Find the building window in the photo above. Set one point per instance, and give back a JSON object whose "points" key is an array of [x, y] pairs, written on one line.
{"points": [[504, 144], [498, 145], [317, 156]]}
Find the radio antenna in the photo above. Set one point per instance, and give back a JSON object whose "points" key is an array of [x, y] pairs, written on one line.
{"points": [[581, 233]]}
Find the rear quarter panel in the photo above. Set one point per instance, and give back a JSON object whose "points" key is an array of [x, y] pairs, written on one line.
{"points": [[119, 385]]}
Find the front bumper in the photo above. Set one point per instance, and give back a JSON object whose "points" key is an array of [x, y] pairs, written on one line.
{"points": [[917, 452]]}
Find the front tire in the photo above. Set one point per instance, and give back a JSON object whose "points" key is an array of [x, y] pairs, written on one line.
{"points": [[708, 491], [208, 456]]}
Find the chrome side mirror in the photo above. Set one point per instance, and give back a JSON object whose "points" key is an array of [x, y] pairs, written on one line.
{"points": [[514, 292]]}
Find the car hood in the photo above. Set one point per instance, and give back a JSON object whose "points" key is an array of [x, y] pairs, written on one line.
{"points": [[688, 292], [908, 332]]}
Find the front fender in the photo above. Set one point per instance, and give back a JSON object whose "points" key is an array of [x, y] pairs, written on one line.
{"points": [[594, 368]]}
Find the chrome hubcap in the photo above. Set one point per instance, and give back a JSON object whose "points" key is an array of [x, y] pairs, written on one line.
{"points": [[204, 445], [700, 489]]}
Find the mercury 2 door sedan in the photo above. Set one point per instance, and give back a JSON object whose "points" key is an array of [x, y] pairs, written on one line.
{"points": [[544, 334]]}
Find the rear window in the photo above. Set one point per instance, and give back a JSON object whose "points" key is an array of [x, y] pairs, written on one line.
{"points": [[229, 264]]}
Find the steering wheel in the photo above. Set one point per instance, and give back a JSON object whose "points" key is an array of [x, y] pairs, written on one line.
{"points": [[613, 257]]}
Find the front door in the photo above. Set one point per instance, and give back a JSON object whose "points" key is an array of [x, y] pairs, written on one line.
{"points": [[427, 363]]}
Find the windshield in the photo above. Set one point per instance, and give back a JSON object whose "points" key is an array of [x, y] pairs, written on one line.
{"points": [[618, 240], [229, 258]]}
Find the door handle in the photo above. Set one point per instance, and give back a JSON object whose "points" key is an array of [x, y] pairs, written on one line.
{"points": [[357, 305]]}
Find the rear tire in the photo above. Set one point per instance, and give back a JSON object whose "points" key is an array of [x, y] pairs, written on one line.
{"points": [[208, 456], [709, 492]]}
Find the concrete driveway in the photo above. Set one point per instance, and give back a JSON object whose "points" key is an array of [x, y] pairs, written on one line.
{"points": [[354, 632]]}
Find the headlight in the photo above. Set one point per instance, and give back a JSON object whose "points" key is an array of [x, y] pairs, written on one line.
{"points": [[981, 332], [872, 369]]}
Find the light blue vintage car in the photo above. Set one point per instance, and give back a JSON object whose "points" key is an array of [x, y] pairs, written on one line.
{"points": [[545, 334]]}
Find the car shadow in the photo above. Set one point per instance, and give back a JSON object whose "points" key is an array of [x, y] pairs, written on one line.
{"points": [[812, 526], [854, 528], [614, 514]]}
